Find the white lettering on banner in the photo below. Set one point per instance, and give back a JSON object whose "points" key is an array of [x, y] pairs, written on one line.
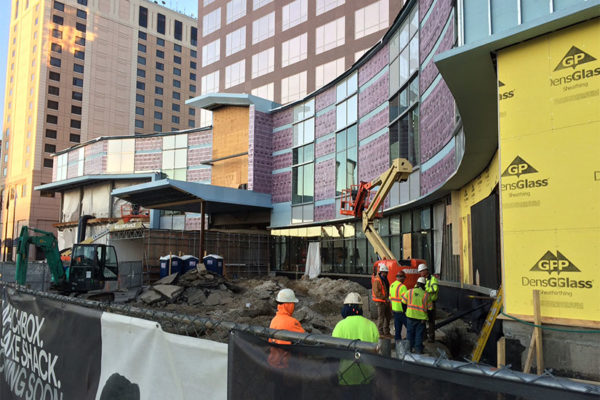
{"points": [[28, 368]]}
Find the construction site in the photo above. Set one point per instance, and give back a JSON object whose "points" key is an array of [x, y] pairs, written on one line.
{"points": [[414, 193]]}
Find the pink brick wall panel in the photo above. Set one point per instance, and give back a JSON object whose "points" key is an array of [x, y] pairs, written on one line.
{"points": [[282, 161], [438, 174], [197, 138], [283, 139], [197, 156], [325, 147], [260, 162], [325, 213], [325, 124], [193, 223], [148, 162], [145, 144], [199, 175], [325, 180], [430, 71], [282, 187], [72, 158], [436, 121], [374, 95], [433, 27], [373, 158], [423, 8], [325, 99], [374, 124], [378, 62], [285, 117]]}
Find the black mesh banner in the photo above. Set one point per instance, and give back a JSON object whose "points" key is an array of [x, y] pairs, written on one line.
{"points": [[48, 350], [258, 369]]}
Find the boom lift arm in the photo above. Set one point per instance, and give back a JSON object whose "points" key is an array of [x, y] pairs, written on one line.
{"points": [[356, 202]]}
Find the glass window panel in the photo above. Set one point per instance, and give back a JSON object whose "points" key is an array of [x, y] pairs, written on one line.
{"points": [[414, 54], [294, 14], [263, 62], [414, 21], [413, 90], [309, 130], [235, 41], [404, 66], [180, 174], [296, 215], [352, 109], [211, 22], [341, 116], [168, 161], [236, 9], [416, 220], [263, 28], [309, 152], [168, 142], [211, 52], [406, 222], [330, 35], [180, 158], [394, 142], [298, 134], [309, 185], [180, 141], [341, 141], [394, 46], [404, 35], [341, 91], [352, 167], [351, 136], [352, 84]]}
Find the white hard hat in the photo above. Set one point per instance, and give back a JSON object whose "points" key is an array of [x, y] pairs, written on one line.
{"points": [[353, 298], [286, 296], [422, 280], [383, 268], [422, 267]]}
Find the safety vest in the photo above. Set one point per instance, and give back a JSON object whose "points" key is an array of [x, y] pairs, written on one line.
{"points": [[431, 287], [417, 303], [356, 327], [396, 291], [376, 281]]}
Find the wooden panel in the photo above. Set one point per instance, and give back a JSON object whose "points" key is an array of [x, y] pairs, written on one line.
{"points": [[230, 137]]}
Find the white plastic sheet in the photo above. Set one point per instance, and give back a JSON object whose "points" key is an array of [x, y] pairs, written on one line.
{"points": [[162, 365]]}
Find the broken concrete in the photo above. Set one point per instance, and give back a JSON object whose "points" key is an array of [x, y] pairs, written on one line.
{"points": [[167, 280], [169, 291], [150, 296]]}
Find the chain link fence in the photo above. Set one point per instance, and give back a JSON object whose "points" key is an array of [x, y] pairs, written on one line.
{"points": [[203, 327]]}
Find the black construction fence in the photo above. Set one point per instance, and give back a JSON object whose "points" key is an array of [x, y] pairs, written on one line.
{"points": [[322, 367]]}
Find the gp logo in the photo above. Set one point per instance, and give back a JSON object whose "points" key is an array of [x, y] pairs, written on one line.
{"points": [[518, 167], [554, 263], [573, 58]]}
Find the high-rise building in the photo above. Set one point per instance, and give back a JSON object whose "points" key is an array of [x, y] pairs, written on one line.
{"points": [[283, 50], [80, 69]]}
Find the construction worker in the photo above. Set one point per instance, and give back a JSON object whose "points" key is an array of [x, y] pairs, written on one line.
{"points": [[397, 289], [431, 287], [355, 327], [417, 304], [380, 290], [286, 303], [283, 320]]}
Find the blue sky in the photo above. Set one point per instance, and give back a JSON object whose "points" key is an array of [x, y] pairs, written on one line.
{"points": [[185, 6]]}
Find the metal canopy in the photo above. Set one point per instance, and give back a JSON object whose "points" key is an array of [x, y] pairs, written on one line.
{"points": [[168, 194], [84, 180]]}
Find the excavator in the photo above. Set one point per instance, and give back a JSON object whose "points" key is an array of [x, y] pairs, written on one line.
{"points": [[91, 265], [363, 201]]}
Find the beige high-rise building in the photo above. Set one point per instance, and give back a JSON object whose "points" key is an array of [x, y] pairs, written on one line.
{"points": [[283, 50], [80, 69]]}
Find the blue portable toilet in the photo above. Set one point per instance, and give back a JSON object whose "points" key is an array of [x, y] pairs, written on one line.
{"points": [[213, 263], [189, 262], [176, 264]]}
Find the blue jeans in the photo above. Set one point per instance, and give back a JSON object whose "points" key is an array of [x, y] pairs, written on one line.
{"points": [[414, 330], [399, 321]]}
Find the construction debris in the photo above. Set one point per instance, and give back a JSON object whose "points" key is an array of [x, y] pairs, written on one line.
{"points": [[251, 301]]}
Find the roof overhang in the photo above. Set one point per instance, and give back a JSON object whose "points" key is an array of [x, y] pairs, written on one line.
{"points": [[85, 180], [212, 101], [470, 73], [168, 194]]}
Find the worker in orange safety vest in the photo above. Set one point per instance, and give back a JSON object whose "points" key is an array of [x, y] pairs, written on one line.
{"points": [[283, 320], [380, 291]]}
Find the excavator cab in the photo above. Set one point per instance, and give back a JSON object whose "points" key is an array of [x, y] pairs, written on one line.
{"points": [[92, 265]]}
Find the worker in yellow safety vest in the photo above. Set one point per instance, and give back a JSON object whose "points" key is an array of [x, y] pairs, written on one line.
{"points": [[397, 289], [417, 304], [355, 377], [431, 287]]}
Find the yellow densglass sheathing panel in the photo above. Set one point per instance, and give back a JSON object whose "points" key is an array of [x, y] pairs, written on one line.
{"points": [[549, 105], [472, 193]]}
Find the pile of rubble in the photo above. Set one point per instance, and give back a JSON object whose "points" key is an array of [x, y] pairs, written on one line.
{"points": [[251, 301]]}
